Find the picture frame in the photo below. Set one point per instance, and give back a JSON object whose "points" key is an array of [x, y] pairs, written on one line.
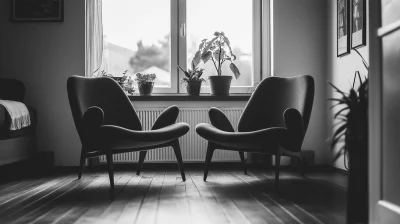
{"points": [[37, 10], [343, 27], [358, 20]]}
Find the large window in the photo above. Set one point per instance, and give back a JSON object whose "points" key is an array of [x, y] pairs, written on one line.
{"points": [[154, 36]]}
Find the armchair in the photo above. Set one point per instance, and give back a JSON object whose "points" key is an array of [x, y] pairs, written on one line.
{"points": [[107, 123], [274, 121]]}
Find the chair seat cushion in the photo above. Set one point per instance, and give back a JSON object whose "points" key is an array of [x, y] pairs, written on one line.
{"points": [[116, 137], [5, 120], [263, 141]]}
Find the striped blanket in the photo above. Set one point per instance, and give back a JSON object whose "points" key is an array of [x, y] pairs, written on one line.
{"points": [[19, 114]]}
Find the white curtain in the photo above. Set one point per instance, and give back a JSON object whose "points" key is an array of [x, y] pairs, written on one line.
{"points": [[93, 37]]}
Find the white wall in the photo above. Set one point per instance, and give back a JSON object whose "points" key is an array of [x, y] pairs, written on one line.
{"points": [[340, 72], [43, 56], [300, 45]]}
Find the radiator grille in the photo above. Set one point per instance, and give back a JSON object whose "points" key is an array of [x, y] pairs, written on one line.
{"points": [[193, 146]]}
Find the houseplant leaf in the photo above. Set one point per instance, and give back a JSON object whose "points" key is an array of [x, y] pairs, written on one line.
{"points": [[235, 70], [196, 59], [206, 56]]}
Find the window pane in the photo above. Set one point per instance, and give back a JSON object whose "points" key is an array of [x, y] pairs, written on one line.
{"points": [[235, 19], [137, 38]]}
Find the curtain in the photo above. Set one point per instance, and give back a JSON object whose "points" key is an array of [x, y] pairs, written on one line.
{"points": [[93, 37]]}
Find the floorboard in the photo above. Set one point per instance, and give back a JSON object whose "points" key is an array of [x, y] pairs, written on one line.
{"points": [[160, 196]]}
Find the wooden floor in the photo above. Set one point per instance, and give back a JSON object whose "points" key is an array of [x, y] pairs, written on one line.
{"points": [[161, 196]]}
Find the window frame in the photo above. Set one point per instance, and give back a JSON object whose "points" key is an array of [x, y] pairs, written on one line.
{"points": [[261, 49], [257, 50]]}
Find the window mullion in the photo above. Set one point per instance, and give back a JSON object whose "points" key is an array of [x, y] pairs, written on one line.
{"points": [[182, 52]]}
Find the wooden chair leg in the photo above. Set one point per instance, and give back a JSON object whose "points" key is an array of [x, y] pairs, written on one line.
{"points": [[81, 163], [277, 165], [210, 151], [241, 154], [178, 154], [110, 168], [142, 156]]}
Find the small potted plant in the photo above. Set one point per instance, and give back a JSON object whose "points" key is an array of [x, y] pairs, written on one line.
{"points": [[126, 82], [192, 78], [145, 83], [219, 51]]}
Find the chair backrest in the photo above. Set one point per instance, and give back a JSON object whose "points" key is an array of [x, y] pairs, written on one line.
{"points": [[272, 97], [12, 89], [106, 94]]}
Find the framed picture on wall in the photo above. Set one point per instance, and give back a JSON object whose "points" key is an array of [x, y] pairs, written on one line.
{"points": [[37, 10], [358, 19], [343, 27]]}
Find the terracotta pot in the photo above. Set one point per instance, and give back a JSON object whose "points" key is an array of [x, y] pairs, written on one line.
{"points": [[193, 87], [220, 85], [146, 89]]}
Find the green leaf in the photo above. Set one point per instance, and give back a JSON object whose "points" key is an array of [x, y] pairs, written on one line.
{"points": [[340, 130], [183, 70], [209, 44], [206, 56], [219, 54], [363, 60], [340, 111], [235, 70], [338, 90], [196, 59], [339, 153]]}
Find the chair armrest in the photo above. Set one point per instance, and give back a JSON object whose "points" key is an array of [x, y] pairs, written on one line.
{"points": [[92, 120], [260, 139], [167, 117], [293, 139], [116, 135], [219, 120]]}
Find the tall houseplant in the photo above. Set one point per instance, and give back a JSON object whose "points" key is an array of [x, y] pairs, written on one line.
{"points": [[218, 50], [353, 128]]}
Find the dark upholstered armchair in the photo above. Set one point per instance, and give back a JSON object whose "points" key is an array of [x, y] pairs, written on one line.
{"points": [[107, 123], [274, 121]]}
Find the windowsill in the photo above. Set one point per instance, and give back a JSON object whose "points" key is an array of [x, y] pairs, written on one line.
{"points": [[185, 97]]}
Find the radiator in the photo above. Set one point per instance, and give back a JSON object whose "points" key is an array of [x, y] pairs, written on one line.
{"points": [[193, 147]]}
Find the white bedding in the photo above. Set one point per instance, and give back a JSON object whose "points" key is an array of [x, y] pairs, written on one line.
{"points": [[19, 114]]}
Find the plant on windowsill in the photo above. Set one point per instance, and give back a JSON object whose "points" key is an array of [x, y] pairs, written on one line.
{"points": [[193, 78], [353, 127], [219, 51], [126, 82], [145, 83]]}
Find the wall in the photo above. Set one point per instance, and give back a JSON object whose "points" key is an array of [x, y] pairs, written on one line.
{"points": [[43, 55], [299, 48], [340, 73]]}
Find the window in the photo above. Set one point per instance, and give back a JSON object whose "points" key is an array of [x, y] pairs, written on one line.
{"points": [[154, 36]]}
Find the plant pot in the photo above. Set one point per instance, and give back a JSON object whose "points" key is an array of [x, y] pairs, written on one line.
{"points": [[357, 191], [193, 87], [220, 85], [146, 89]]}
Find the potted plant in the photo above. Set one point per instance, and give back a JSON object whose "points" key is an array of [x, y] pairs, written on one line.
{"points": [[219, 51], [145, 83], [353, 127], [126, 82], [192, 78]]}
